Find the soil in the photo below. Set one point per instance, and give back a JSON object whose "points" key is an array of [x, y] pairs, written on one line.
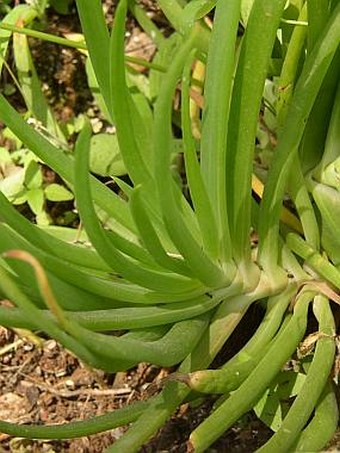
{"points": [[40, 381], [43, 383]]}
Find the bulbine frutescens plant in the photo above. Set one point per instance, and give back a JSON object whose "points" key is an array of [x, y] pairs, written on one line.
{"points": [[175, 275]]}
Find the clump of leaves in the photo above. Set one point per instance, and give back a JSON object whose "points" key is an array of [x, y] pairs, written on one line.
{"points": [[177, 275]]}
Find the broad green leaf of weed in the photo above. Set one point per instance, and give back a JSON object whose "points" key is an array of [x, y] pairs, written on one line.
{"points": [[105, 156], [12, 185], [5, 158], [57, 192], [33, 175], [7, 133], [35, 199], [42, 218]]}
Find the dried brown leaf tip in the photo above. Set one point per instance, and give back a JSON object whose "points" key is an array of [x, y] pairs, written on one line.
{"points": [[307, 345]]}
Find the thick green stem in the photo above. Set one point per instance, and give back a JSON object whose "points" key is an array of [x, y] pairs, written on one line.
{"points": [[318, 374], [221, 327], [244, 398], [321, 428], [236, 370]]}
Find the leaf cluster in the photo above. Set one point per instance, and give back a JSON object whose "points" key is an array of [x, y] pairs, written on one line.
{"points": [[257, 131]]}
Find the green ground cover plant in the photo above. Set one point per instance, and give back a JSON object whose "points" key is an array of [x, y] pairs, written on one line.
{"points": [[174, 275]]}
